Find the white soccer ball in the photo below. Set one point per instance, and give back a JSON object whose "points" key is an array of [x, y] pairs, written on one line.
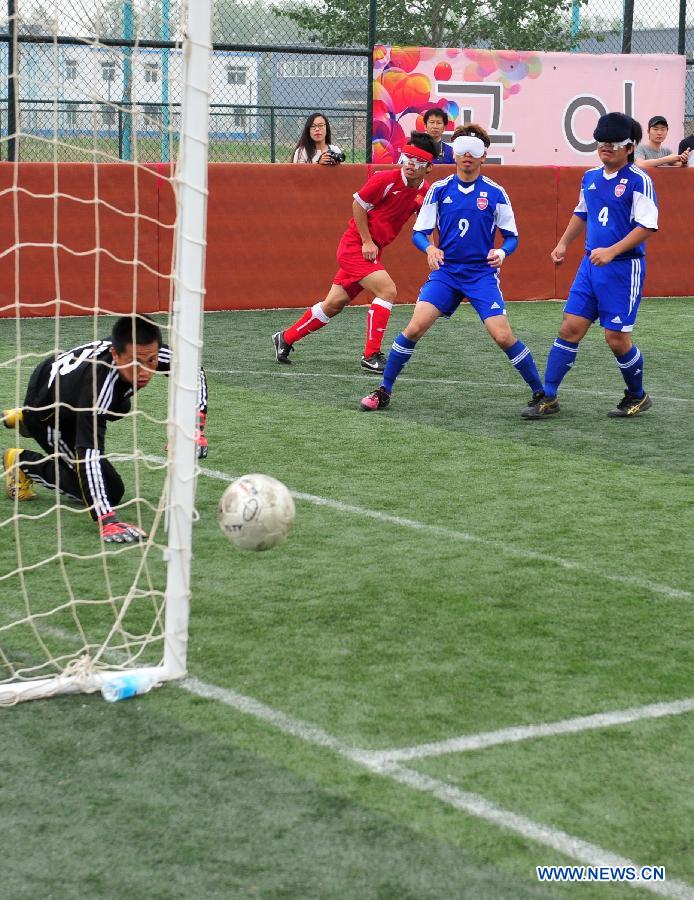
{"points": [[256, 512]]}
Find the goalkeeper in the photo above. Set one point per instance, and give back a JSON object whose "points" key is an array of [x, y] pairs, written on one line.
{"points": [[70, 399]]}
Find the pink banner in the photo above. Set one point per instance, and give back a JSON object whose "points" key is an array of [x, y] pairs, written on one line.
{"points": [[539, 108]]}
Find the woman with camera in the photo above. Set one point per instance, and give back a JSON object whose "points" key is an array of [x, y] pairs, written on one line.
{"points": [[314, 144]]}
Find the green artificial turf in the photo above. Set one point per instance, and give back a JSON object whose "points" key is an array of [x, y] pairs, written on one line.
{"points": [[452, 569]]}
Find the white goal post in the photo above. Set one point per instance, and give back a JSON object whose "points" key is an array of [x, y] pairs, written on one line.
{"points": [[60, 632]]}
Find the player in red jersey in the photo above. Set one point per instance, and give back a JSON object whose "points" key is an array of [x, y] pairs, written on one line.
{"points": [[380, 209]]}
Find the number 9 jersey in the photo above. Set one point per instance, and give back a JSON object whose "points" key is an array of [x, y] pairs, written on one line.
{"points": [[466, 216], [613, 204]]}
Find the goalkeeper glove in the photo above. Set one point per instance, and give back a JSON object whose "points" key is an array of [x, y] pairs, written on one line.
{"points": [[114, 532], [200, 438]]}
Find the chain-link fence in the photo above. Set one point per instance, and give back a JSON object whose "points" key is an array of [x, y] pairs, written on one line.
{"points": [[643, 26], [103, 76]]}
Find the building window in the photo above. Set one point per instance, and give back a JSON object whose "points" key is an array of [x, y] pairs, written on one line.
{"points": [[108, 116], [152, 115], [236, 75], [240, 118], [151, 72], [108, 71], [70, 70], [350, 67], [71, 118]]}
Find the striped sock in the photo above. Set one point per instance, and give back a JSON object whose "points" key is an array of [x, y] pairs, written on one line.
{"points": [[400, 353], [522, 360], [562, 356], [631, 367], [376, 324], [313, 319]]}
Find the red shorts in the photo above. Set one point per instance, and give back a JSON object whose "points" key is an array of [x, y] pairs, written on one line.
{"points": [[353, 266]]}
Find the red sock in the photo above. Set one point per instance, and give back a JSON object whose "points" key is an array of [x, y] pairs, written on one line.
{"points": [[313, 319], [376, 324]]}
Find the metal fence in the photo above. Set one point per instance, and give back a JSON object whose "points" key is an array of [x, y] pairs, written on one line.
{"points": [[80, 131], [643, 39], [103, 76]]}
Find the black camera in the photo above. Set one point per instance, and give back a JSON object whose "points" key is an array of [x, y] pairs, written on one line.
{"points": [[337, 156]]}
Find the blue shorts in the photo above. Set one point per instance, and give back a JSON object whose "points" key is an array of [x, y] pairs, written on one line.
{"points": [[611, 293], [480, 286]]}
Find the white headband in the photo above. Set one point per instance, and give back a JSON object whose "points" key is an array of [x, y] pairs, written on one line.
{"points": [[468, 144]]}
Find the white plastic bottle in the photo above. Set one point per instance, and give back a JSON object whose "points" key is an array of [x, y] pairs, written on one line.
{"points": [[127, 685]]}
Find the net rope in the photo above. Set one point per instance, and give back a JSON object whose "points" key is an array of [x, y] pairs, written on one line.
{"points": [[82, 243]]}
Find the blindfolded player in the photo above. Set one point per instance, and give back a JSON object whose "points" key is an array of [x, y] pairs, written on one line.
{"points": [[466, 209], [380, 209]]}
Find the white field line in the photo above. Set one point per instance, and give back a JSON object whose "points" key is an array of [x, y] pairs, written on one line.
{"points": [[484, 739], [472, 804], [385, 759], [465, 801], [367, 378], [571, 565], [582, 851]]}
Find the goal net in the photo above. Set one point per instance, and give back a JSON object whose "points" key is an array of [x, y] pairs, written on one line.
{"points": [[103, 175]]}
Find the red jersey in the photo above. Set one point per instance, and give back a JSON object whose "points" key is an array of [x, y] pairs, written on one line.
{"points": [[389, 202]]}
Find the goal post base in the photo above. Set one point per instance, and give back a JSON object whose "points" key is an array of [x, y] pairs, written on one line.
{"points": [[42, 688]]}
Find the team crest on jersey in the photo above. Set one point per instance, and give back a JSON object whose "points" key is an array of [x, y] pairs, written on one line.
{"points": [[619, 189], [482, 203]]}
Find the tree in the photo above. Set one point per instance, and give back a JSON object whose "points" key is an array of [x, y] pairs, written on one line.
{"points": [[253, 22], [497, 24]]}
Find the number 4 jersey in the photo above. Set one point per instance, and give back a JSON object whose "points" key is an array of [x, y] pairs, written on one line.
{"points": [[466, 216], [613, 204]]}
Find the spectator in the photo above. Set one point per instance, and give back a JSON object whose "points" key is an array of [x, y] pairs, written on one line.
{"points": [[652, 153], [687, 144], [314, 144], [435, 121]]}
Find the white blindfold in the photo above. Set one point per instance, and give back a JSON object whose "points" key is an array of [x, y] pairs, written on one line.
{"points": [[467, 144]]}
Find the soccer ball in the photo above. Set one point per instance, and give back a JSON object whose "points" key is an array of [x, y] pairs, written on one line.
{"points": [[256, 512]]}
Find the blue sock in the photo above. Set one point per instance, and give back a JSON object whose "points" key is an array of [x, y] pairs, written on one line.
{"points": [[400, 353], [522, 360], [631, 367], [562, 356]]}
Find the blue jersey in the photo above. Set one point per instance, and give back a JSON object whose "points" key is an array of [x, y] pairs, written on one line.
{"points": [[447, 156], [613, 204], [466, 216]]}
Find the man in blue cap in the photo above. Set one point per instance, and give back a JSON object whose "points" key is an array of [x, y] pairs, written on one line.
{"points": [[617, 209]]}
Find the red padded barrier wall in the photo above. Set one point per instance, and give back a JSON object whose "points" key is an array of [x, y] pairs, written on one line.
{"points": [[272, 235], [272, 232], [670, 252], [97, 241]]}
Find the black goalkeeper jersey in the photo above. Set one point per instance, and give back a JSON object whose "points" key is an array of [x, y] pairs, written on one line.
{"points": [[77, 393]]}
